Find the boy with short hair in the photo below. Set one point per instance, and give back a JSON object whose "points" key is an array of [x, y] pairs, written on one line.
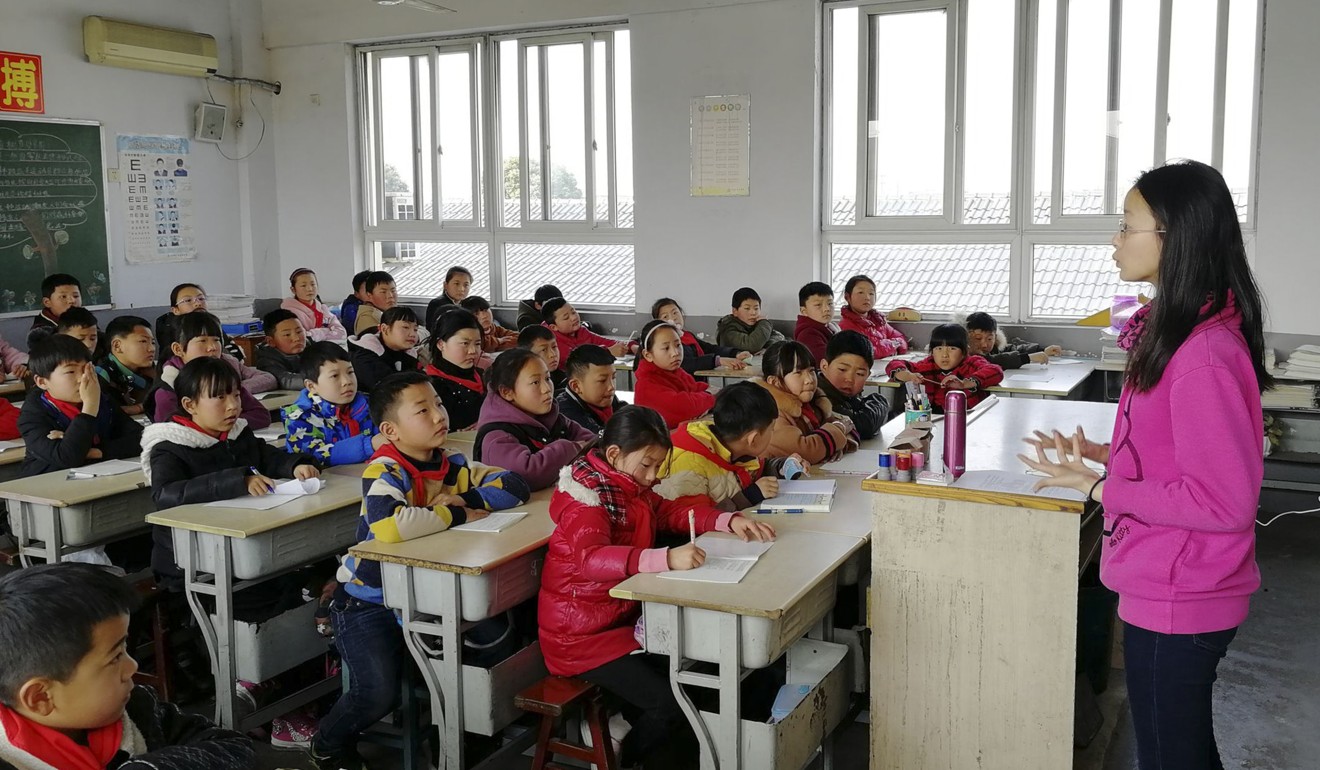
{"points": [[79, 323], [529, 310], [494, 338], [67, 698], [388, 349], [564, 321], [541, 341], [348, 309], [720, 459], [380, 296], [285, 340], [745, 328], [128, 368], [411, 488], [815, 325], [844, 371], [59, 292], [66, 421], [589, 399], [198, 334], [986, 339], [330, 420]]}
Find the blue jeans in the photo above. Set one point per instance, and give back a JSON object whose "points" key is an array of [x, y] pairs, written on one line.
{"points": [[1170, 679], [370, 641]]}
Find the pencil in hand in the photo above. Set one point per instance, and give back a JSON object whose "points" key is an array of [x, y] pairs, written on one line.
{"points": [[692, 524]]}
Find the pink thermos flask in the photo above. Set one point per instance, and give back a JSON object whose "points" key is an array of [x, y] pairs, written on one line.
{"points": [[955, 433]]}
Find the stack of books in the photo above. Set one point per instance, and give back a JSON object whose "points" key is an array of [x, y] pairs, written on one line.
{"points": [[1304, 362], [1289, 395]]}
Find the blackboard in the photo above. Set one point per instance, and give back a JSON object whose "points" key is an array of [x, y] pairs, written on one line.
{"points": [[52, 210]]}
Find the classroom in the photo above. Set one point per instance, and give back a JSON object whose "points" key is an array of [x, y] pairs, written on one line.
{"points": [[596, 371]]}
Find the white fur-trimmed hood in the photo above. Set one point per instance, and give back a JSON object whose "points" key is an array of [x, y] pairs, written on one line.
{"points": [[175, 433], [575, 489]]}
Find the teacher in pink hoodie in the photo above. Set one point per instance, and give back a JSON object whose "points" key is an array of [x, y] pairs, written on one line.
{"points": [[1183, 468]]}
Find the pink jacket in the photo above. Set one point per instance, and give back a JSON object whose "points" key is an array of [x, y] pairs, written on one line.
{"points": [[330, 329], [12, 357], [1185, 470], [885, 340]]}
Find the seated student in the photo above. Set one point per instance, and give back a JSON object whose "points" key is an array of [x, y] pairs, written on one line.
{"points": [[455, 351], [128, 368], [494, 338], [662, 384], [67, 698], [806, 425], [860, 315], [306, 305], [330, 420], [381, 296], [569, 332], [745, 328], [285, 341], [184, 299], [697, 357], [386, 350], [814, 325], [79, 323], [521, 428], [606, 519], [14, 360], [985, 339], [197, 335], [948, 367], [719, 460], [66, 421], [589, 399], [348, 309], [59, 292], [541, 341], [458, 282], [529, 310], [205, 451], [9, 420], [411, 488], [843, 374]]}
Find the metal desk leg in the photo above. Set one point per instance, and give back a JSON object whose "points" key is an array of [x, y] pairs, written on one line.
{"points": [[678, 677], [51, 552], [730, 737], [445, 685], [219, 636]]}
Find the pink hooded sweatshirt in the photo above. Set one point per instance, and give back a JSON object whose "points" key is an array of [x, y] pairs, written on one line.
{"points": [[1185, 470]]}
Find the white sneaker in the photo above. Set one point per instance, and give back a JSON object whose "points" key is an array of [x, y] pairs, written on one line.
{"points": [[619, 729]]}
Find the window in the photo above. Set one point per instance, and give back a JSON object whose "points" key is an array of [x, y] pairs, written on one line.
{"points": [[977, 151], [508, 154]]}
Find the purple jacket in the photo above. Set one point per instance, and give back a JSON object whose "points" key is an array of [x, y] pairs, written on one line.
{"points": [[12, 357], [550, 442], [1185, 469], [167, 402]]}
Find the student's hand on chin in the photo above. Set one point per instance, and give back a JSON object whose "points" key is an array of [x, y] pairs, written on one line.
{"points": [[304, 472], [749, 530]]}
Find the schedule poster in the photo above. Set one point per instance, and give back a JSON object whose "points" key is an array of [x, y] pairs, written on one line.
{"points": [[721, 145], [156, 180]]}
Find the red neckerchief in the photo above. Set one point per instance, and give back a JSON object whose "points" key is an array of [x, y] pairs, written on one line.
{"points": [[684, 440], [187, 423], [69, 410], [344, 413], [317, 316], [603, 414], [813, 417], [689, 338], [59, 750], [417, 477], [54, 319], [473, 384]]}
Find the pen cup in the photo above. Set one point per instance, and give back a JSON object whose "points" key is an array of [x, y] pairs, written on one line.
{"points": [[915, 415]]}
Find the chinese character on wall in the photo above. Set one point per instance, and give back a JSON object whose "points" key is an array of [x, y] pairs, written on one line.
{"points": [[20, 83]]}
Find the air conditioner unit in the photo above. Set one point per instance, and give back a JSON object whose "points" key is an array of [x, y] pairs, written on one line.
{"points": [[138, 46]]}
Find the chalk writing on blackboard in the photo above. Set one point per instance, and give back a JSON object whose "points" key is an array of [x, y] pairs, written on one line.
{"points": [[45, 188]]}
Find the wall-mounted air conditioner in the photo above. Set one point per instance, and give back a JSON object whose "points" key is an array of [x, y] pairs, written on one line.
{"points": [[138, 46]]}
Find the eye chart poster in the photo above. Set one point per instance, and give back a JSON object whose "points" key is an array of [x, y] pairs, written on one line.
{"points": [[156, 181]]}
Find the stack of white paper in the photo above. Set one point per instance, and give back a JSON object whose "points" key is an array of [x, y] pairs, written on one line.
{"points": [[802, 496], [494, 522], [728, 560]]}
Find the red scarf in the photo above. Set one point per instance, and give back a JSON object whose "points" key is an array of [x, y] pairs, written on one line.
{"points": [[317, 315], [813, 417], [59, 750], [689, 338], [473, 384], [604, 414], [187, 423], [69, 410], [684, 440], [344, 413], [418, 478], [612, 486]]}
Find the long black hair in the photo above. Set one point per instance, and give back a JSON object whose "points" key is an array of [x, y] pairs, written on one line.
{"points": [[1202, 263]]}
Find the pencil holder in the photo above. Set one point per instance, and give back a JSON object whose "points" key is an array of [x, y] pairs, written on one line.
{"points": [[915, 415]]}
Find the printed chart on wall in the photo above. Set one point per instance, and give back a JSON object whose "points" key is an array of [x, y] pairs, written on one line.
{"points": [[52, 210], [720, 145], [156, 180]]}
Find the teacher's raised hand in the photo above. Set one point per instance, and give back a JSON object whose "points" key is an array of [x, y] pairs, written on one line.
{"points": [[1068, 471]]}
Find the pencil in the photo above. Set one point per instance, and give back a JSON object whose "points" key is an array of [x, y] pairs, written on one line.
{"points": [[692, 524]]}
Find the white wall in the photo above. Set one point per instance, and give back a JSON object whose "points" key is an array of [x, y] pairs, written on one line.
{"points": [[229, 237]]}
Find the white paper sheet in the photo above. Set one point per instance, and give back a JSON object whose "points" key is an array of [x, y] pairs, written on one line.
{"points": [[285, 491], [1026, 377], [495, 522], [106, 468], [271, 432], [807, 486], [731, 547], [859, 463], [1012, 483], [7, 445], [715, 570]]}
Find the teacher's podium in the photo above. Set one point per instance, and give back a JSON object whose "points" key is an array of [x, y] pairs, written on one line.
{"points": [[974, 598]]}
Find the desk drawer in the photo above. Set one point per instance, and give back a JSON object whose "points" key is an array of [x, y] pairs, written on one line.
{"points": [[264, 650], [93, 522], [277, 549], [480, 596], [488, 692]]}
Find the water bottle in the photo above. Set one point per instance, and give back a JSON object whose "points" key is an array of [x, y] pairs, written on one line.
{"points": [[955, 433]]}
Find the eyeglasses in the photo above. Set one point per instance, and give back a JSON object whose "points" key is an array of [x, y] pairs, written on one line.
{"points": [[1124, 231], [193, 301]]}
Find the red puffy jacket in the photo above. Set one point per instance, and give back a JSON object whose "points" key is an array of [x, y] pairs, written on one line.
{"points": [[676, 395], [985, 373], [581, 625]]}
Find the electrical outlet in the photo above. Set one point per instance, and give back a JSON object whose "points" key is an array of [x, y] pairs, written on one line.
{"points": [[112, 175]]}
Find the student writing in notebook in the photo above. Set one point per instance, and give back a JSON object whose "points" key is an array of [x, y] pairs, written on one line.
{"points": [[606, 518]]}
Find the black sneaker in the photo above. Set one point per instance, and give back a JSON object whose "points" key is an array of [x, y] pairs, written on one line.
{"points": [[345, 760]]}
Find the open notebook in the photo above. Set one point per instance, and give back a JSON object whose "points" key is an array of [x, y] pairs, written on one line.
{"points": [[801, 496], [728, 560]]}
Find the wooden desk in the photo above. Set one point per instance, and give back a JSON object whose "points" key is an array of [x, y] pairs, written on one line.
{"points": [[275, 400], [11, 462], [974, 607], [439, 582], [12, 389], [52, 515], [744, 626], [1064, 380], [223, 549]]}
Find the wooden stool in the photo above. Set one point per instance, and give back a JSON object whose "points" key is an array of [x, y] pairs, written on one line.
{"points": [[552, 697], [160, 676]]}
